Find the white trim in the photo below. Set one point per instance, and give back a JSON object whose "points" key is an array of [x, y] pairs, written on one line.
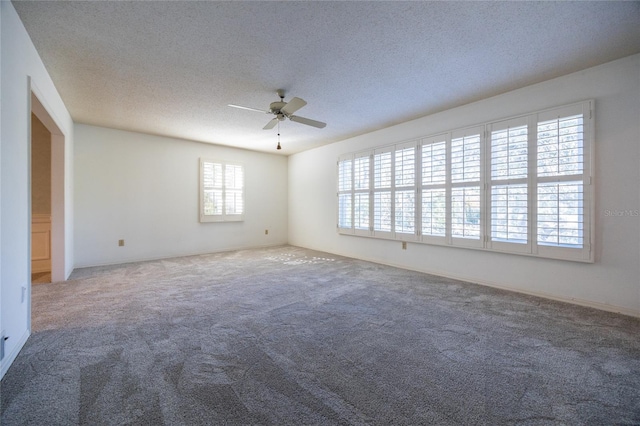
{"points": [[570, 300], [6, 362], [174, 256]]}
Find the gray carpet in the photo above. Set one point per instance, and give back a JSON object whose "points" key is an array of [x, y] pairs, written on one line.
{"points": [[287, 336]]}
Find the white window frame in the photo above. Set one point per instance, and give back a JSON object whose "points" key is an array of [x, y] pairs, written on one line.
{"points": [[586, 253], [411, 188], [497, 243], [441, 186], [344, 187], [471, 184], [223, 216], [487, 182], [366, 193], [377, 231]]}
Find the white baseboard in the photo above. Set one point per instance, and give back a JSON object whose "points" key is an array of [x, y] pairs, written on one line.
{"points": [[147, 259], [8, 359], [571, 300]]}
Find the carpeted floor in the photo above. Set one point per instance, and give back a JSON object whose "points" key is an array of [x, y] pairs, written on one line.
{"points": [[287, 336]]}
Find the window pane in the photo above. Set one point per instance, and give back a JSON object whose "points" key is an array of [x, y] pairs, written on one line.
{"points": [[382, 170], [434, 163], [405, 212], [434, 212], [344, 175], [233, 201], [560, 146], [361, 211], [406, 167], [509, 153], [212, 175], [361, 173], [509, 213], [212, 202], [233, 176], [382, 211], [344, 210], [465, 212], [560, 214], [465, 159]]}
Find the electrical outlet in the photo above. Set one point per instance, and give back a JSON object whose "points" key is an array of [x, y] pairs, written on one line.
{"points": [[120, 243], [404, 245], [266, 232]]}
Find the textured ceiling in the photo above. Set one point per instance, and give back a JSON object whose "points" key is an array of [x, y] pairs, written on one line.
{"points": [[171, 68]]}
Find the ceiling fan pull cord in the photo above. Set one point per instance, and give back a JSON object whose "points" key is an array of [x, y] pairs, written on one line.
{"points": [[278, 147]]}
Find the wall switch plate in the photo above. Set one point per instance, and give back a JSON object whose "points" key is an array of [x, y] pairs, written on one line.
{"points": [[120, 243]]}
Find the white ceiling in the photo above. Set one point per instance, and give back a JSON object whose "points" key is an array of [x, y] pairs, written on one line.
{"points": [[171, 68]]}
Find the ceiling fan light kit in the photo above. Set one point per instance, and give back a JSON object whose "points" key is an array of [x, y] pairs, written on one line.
{"points": [[283, 110]]}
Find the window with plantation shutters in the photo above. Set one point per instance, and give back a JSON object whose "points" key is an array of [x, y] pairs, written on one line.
{"points": [[345, 194], [382, 180], [509, 167], [405, 190], [466, 218], [517, 185], [362, 182], [560, 179], [434, 179], [221, 191]]}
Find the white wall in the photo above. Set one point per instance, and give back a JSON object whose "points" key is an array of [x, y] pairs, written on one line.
{"points": [[612, 282], [19, 62], [144, 189]]}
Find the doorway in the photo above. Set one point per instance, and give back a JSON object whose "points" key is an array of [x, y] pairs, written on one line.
{"points": [[47, 195], [40, 202]]}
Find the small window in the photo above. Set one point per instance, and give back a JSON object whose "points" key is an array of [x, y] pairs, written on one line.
{"points": [[221, 191]]}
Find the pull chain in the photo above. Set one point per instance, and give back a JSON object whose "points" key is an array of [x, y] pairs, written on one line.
{"points": [[279, 147]]}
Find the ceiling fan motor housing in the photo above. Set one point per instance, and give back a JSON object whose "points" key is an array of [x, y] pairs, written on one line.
{"points": [[275, 107]]}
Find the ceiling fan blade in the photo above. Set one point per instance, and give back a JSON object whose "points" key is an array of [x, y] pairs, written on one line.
{"points": [[247, 108], [308, 121], [293, 105], [271, 124]]}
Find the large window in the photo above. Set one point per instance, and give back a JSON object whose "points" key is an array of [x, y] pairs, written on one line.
{"points": [[520, 185], [221, 191]]}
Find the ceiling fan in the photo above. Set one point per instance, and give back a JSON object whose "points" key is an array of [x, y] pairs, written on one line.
{"points": [[282, 110]]}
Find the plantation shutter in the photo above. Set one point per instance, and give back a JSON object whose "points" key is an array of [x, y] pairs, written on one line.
{"points": [[345, 194], [561, 218], [382, 185], [466, 218], [222, 191], [362, 194], [509, 198], [405, 192], [434, 195], [234, 181]]}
